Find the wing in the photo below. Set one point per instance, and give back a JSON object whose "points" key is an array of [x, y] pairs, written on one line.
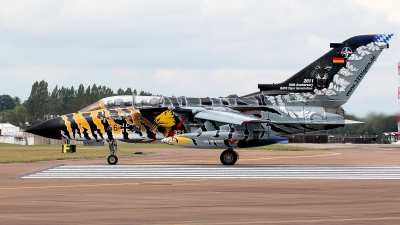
{"points": [[238, 118], [229, 117]]}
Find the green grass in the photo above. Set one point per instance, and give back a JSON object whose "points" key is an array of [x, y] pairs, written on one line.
{"points": [[21, 153], [274, 147], [120, 146], [285, 147], [148, 146]]}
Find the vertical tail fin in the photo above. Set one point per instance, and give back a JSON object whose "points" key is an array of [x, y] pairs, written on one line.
{"points": [[332, 79]]}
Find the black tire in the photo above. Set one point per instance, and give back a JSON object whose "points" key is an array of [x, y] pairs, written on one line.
{"points": [[237, 154], [228, 157], [112, 159]]}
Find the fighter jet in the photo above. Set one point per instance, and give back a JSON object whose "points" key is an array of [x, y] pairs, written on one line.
{"points": [[308, 101]]}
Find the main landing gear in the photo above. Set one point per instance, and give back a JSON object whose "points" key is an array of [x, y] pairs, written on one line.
{"points": [[112, 158], [229, 157]]}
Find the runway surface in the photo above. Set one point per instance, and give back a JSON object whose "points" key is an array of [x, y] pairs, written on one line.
{"points": [[189, 187], [219, 172]]}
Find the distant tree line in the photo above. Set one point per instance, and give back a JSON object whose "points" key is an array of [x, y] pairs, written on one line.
{"points": [[7, 102], [61, 100], [374, 124]]}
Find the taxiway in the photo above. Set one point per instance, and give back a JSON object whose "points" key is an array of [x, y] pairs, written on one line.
{"points": [[333, 194]]}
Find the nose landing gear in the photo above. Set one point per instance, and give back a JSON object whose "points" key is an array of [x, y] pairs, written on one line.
{"points": [[112, 158]]}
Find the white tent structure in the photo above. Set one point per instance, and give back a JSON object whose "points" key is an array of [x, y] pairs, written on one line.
{"points": [[12, 135], [6, 128]]}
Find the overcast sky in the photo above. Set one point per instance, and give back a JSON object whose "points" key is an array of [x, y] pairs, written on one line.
{"points": [[190, 48]]}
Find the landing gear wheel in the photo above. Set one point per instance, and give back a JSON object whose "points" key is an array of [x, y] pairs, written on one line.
{"points": [[228, 157], [112, 159]]}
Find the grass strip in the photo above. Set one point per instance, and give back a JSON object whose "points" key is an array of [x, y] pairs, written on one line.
{"points": [[10, 154]]}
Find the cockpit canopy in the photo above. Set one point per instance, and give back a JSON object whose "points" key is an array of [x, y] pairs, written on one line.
{"points": [[124, 101]]}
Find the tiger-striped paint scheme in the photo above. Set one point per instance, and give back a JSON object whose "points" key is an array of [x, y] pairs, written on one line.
{"points": [[308, 101]]}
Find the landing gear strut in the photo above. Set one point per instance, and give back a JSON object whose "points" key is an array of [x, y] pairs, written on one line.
{"points": [[112, 158], [229, 157]]}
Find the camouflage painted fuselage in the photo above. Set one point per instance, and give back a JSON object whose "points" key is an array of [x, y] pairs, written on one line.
{"points": [[173, 120]]}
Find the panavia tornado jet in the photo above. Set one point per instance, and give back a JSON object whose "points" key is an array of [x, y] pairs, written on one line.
{"points": [[308, 101]]}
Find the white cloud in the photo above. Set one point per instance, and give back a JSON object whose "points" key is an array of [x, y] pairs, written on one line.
{"points": [[191, 48], [215, 83], [389, 8], [319, 44]]}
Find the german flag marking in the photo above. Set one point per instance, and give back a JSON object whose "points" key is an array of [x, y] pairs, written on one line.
{"points": [[338, 60]]}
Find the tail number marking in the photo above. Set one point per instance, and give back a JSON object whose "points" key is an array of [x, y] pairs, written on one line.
{"points": [[308, 81]]}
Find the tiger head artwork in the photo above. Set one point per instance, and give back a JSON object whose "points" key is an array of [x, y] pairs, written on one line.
{"points": [[322, 72]]}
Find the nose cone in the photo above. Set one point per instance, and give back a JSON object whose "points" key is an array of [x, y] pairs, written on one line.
{"points": [[50, 128]]}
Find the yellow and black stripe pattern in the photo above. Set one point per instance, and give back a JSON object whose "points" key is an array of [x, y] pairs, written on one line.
{"points": [[108, 123]]}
